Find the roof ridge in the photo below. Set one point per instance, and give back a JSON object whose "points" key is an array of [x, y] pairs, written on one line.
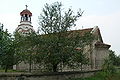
{"points": [[82, 29]]}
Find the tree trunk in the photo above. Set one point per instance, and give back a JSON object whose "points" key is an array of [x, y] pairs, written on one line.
{"points": [[55, 68], [30, 64], [6, 68], [81, 66]]}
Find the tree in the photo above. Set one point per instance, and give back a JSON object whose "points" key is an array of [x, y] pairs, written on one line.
{"points": [[108, 67], [58, 45], [114, 58], [53, 20], [26, 47], [30, 48], [110, 63], [7, 50]]}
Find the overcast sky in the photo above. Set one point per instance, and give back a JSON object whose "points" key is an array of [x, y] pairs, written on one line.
{"points": [[102, 13]]}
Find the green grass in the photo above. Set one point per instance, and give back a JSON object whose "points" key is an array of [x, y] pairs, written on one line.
{"points": [[1, 70], [102, 76]]}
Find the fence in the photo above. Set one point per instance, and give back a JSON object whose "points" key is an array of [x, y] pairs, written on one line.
{"points": [[47, 76]]}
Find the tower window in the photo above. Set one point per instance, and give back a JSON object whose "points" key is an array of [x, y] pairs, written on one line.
{"points": [[22, 18], [26, 17]]}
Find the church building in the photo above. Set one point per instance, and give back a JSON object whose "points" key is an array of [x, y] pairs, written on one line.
{"points": [[97, 52]]}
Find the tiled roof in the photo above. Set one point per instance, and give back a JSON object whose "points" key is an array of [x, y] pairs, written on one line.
{"points": [[80, 32]]}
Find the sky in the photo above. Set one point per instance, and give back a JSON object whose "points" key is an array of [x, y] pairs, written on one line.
{"points": [[102, 13]]}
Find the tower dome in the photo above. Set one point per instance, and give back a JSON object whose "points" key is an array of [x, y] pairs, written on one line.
{"points": [[26, 11]]}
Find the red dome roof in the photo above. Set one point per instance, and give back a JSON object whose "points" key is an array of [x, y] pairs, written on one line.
{"points": [[26, 11]]}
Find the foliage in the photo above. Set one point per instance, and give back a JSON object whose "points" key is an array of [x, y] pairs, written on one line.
{"points": [[109, 64], [7, 50], [55, 20], [114, 58], [25, 46], [108, 67]]}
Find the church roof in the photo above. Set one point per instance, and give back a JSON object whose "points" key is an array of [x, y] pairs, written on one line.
{"points": [[81, 31], [94, 31], [26, 11]]}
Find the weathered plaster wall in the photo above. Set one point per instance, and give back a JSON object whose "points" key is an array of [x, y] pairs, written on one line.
{"points": [[100, 54]]}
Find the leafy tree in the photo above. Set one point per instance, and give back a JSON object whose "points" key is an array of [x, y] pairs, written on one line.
{"points": [[108, 67], [54, 20], [26, 47], [30, 43], [111, 62], [114, 58], [58, 45], [7, 50]]}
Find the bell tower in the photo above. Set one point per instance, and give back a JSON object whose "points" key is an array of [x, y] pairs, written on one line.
{"points": [[25, 26]]}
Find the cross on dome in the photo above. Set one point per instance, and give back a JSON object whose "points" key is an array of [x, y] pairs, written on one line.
{"points": [[26, 6], [26, 11]]}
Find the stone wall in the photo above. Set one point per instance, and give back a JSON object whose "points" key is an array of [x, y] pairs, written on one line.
{"points": [[46, 76]]}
